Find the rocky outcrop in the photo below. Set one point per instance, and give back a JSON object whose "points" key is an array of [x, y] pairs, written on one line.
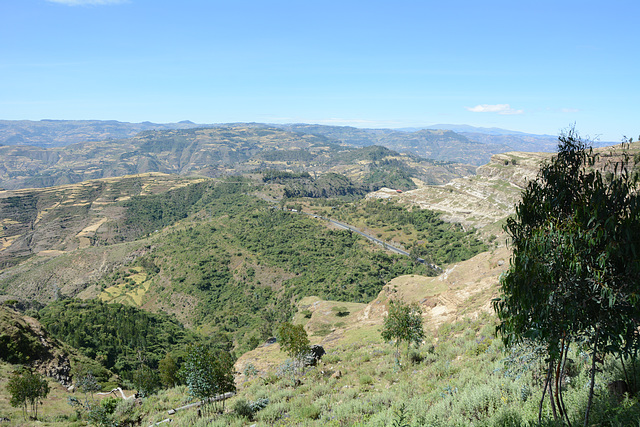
{"points": [[314, 356], [26, 342]]}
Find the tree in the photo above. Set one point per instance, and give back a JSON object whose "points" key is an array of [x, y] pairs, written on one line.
{"points": [[403, 323], [293, 340], [98, 413], [576, 261], [168, 368], [27, 387], [207, 373], [145, 380]]}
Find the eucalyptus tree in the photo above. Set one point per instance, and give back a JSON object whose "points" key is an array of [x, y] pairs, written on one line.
{"points": [[27, 387], [208, 373], [403, 323], [575, 270], [293, 340]]}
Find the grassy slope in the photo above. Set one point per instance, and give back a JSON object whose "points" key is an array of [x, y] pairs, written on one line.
{"points": [[461, 376]]}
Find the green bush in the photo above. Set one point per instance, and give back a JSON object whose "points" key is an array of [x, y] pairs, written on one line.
{"points": [[311, 412], [109, 403], [242, 408], [365, 380]]}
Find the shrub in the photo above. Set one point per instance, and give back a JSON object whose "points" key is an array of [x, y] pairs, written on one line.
{"points": [[168, 368], [340, 311], [109, 404], [366, 380], [259, 404], [309, 411], [250, 370], [415, 357], [242, 408]]}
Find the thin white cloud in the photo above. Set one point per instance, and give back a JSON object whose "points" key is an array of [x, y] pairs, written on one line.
{"points": [[87, 2], [569, 110], [496, 108]]}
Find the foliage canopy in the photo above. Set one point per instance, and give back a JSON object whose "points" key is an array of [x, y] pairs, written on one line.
{"points": [[403, 323], [574, 274], [293, 340], [27, 388], [207, 372]]}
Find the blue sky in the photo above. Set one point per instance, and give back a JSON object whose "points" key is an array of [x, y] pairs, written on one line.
{"points": [[533, 66]]}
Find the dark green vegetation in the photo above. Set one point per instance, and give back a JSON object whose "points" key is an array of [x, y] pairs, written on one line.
{"points": [[380, 173], [422, 232], [145, 214], [248, 262], [327, 185], [114, 334], [575, 272], [234, 265], [18, 344]]}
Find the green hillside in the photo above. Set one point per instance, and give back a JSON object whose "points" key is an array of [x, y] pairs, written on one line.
{"points": [[222, 260]]}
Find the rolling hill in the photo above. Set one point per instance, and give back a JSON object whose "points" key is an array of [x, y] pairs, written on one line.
{"points": [[208, 152]]}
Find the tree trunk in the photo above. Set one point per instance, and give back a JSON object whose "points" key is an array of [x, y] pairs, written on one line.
{"points": [[564, 365], [557, 380], [593, 377], [544, 391]]}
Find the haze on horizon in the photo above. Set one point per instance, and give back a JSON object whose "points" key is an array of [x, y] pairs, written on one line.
{"points": [[531, 67]]}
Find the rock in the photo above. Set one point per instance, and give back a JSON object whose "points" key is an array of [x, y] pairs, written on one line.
{"points": [[316, 353], [337, 375]]}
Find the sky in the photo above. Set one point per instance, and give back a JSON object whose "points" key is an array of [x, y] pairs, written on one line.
{"points": [[532, 66]]}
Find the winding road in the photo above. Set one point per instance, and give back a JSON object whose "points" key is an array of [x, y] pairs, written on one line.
{"points": [[385, 245], [345, 226]]}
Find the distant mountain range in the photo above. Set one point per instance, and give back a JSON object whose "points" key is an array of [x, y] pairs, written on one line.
{"points": [[58, 133], [473, 129], [219, 151], [442, 142]]}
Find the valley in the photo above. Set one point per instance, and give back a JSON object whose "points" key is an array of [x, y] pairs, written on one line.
{"points": [[126, 253]]}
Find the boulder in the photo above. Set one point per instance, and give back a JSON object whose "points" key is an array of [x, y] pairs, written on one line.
{"points": [[316, 353]]}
